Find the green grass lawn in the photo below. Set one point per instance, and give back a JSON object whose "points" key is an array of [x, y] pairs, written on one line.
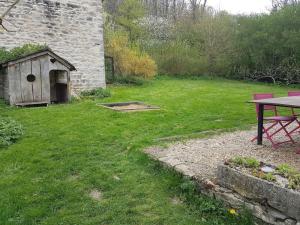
{"points": [[69, 150]]}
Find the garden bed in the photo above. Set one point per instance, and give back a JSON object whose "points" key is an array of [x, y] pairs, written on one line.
{"points": [[276, 188]]}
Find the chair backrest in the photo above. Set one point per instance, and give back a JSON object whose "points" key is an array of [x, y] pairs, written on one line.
{"points": [[266, 107], [293, 93]]}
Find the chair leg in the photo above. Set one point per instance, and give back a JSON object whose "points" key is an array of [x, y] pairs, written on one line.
{"points": [[294, 130], [298, 122], [269, 136], [265, 130], [297, 128], [285, 130]]}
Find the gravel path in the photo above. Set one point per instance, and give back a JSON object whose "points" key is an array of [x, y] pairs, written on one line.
{"points": [[200, 157]]}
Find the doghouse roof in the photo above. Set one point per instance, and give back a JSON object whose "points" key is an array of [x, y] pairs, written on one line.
{"points": [[37, 54]]}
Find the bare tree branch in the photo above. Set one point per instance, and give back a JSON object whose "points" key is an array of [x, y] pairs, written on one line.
{"points": [[5, 14], [9, 9]]}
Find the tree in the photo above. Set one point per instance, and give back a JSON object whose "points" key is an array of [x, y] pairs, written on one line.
{"points": [[269, 45], [278, 4], [128, 14], [111, 6], [197, 7], [195, 4]]}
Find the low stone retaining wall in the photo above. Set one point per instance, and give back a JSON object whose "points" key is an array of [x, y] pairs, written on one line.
{"points": [[266, 193], [267, 201]]}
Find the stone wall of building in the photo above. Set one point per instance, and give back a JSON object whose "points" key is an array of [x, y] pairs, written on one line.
{"points": [[71, 28]]}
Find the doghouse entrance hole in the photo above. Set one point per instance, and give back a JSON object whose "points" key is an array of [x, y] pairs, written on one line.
{"points": [[59, 86], [31, 78]]}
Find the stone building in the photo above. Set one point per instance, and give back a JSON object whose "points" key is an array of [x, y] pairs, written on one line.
{"points": [[71, 28]]}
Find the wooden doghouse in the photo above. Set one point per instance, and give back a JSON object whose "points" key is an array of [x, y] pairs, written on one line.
{"points": [[39, 78]]}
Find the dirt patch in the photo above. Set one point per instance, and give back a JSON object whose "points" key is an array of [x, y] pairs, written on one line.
{"points": [[117, 178], [96, 195], [73, 177], [176, 201]]}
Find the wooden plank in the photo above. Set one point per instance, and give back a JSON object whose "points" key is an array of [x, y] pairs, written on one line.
{"points": [[283, 101], [2, 74], [37, 84], [27, 87], [32, 104], [6, 87], [53, 96], [45, 79], [14, 84]]}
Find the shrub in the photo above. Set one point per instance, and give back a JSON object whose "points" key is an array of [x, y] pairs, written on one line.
{"points": [[178, 58], [129, 61], [268, 176], [144, 66], [97, 93], [10, 132]]}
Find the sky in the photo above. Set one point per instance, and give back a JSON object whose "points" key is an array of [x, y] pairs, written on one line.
{"points": [[241, 6]]}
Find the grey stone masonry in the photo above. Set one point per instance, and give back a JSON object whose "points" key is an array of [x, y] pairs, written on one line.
{"points": [[71, 28]]}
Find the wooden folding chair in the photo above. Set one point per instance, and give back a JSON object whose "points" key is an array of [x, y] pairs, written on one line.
{"points": [[282, 121]]}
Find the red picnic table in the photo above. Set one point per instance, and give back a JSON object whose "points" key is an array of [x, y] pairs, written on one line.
{"points": [[289, 102]]}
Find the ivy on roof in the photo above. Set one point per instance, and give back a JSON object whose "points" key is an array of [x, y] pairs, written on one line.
{"points": [[19, 52]]}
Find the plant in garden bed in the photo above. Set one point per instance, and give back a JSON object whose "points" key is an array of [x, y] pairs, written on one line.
{"points": [[245, 162], [10, 132], [286, 170], [294, 182], [265, 176], [291, 174]]}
